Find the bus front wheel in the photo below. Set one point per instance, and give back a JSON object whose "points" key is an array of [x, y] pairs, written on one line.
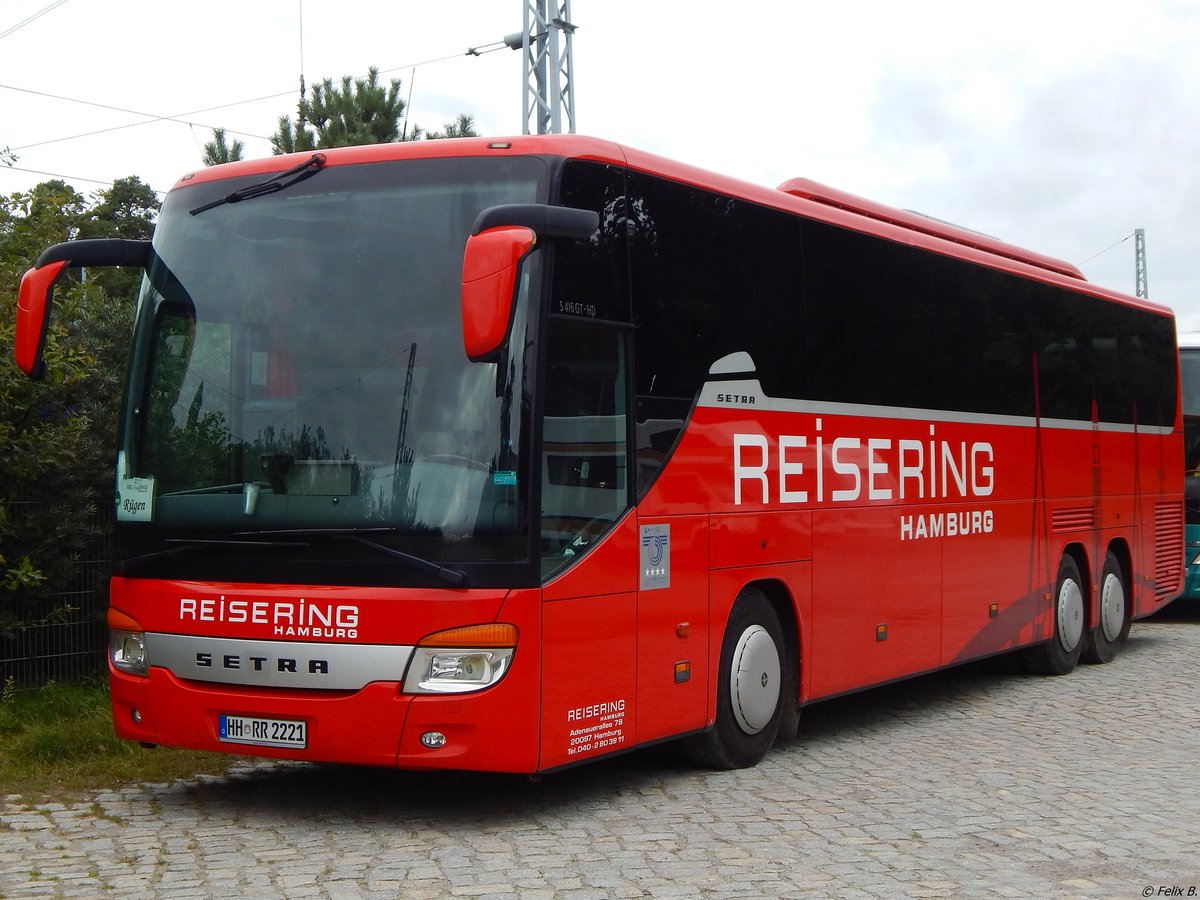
{"points": [[750, 686], [1060, 654], [1112, 629]]}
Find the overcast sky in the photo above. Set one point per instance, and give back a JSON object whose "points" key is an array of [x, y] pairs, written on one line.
{"points": [[1057, 125]]}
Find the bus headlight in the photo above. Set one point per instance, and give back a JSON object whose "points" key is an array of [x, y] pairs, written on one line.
{"points": [[126, 644], [461, 660], [127, 650]]}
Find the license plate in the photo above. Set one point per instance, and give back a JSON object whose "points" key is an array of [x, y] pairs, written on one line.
{"points": [[263, 732]]}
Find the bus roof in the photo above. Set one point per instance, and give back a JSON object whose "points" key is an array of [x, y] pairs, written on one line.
{"points": [[797, 195], [820, 193]]}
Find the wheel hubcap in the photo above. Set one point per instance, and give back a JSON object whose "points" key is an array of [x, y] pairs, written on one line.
{"points": [[1070, 615], [1112, 607], [754, 679]]}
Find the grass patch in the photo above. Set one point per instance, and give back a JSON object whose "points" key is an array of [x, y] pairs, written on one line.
{"points": [[57, 743]]}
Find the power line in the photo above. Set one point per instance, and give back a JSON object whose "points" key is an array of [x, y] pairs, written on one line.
{"points": [[180, 118], [149, 117], [65, 177], [28, 19], [1105, 250]]}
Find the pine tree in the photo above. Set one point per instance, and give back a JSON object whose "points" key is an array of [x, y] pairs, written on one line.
{"points": [[217, 151], [463, 126], [361, 111]]}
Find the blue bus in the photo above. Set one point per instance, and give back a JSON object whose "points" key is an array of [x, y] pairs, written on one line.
{"points": [[1189, 374]]}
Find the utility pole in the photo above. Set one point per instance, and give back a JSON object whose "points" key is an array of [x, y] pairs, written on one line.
{"points": [[549, 86], [1139, 263]]}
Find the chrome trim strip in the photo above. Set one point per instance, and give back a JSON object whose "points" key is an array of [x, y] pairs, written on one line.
{"points": [[749, 395], [277, 664]]}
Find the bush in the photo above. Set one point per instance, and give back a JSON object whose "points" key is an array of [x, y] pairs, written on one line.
{"points": [[57, 435]]}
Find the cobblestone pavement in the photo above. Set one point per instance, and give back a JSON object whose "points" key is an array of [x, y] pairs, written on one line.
{"points": [[970, 783]]}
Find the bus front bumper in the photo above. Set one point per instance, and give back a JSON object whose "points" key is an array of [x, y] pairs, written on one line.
{"points": [[377, 725]]}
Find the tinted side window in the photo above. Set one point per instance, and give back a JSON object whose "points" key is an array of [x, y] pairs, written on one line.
{"points": [[1149, 362], [1090, 350], [870, 317], [711, 276], [591, 279], [985, 358], [1113, 329], [1062, 338]]}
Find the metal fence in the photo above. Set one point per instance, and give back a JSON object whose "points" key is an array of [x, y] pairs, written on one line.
{"points": [[68, 642]]}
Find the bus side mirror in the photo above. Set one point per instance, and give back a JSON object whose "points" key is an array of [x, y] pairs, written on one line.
{"points": [[37, 287], [33, 316], [501, 237], [491, 263]]}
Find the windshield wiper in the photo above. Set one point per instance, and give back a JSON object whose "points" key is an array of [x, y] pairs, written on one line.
{"points": [[450, 576], [126, 566], [278, 182]]}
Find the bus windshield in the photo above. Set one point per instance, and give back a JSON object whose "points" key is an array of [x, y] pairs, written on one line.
{"points": [[298, 363]]}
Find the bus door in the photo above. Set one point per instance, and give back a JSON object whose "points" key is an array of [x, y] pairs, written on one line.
{"points": [[629, 612], [588, 550]]}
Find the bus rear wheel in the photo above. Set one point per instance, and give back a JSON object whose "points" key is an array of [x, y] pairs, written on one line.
{"points": [[1060, 654], [1110, 632], [750, 685]]}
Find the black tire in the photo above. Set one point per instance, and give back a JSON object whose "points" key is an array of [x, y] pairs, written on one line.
{"points": [[1114, 619], [1060, 654], [750, 688]]}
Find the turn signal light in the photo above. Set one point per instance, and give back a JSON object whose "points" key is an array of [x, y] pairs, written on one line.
{"points": [[461, 660], [494, 635], [119, 621]]}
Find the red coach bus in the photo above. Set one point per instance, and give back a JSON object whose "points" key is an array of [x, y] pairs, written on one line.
{"points": [[510, 454]]}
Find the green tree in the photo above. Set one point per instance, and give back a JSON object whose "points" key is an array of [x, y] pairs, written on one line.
{"points": [[126, 210], [217, 151], [31, 221], [463, 126], [57, 435], [361, 111]]}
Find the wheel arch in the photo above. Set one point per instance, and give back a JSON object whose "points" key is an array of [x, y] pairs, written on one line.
{"points": [[1065, 623], [1079, 553], [1120, 549]]}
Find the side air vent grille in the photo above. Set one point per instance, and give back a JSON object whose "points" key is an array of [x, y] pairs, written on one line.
{"points": [[1168, 549], [1074, 518]]}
